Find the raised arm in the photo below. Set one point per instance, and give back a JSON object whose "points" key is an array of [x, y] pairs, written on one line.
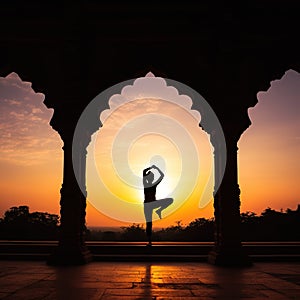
{"points": [[145, 180], [145, 171], [161, 174]]}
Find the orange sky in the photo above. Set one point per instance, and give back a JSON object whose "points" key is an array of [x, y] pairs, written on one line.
{"points": [[268, 153], [269, 161], [152, 134]]}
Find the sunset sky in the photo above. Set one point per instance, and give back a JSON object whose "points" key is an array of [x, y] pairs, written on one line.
{"points": [[31, 155], [138, 132]]}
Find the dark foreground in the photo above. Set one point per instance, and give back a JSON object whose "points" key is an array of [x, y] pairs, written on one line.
{"points": [[142, 280]]}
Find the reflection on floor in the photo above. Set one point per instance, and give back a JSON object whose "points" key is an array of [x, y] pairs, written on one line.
{"points": [[123, 280]]}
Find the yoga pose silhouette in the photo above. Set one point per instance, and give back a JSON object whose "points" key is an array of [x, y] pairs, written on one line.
{"points": [[150, 202]]}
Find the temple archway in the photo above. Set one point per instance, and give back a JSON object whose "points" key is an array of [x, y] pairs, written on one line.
{"points": [[158, 108], [215, 49]]}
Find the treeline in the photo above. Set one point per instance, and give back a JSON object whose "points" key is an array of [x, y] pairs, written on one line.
{"points": [[19, 224], [198, 230], [271, 225]]}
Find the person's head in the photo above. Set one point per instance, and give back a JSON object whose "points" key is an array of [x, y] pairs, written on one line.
{"points": [[150, 176]]}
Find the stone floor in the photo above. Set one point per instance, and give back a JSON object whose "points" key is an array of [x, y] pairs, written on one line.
{"points": [[141, 280]]}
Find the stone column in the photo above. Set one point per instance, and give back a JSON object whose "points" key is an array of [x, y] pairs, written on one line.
{"points": [[71, 248], [228, 250]]}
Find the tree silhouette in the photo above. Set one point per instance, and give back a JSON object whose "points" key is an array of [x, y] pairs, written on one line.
{"points": [[200, 229], [19, 223], [271, 225], [134, 232]]}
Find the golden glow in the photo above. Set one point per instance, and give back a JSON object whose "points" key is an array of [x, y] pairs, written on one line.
{"points": [[141, 148], [31, 155]]}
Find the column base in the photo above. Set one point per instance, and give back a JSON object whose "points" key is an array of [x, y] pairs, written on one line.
{"points": [[229, 258], [66, 256]]}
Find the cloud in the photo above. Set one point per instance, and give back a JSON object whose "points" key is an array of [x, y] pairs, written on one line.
{"points": [[12, 102], [18, 116], [280, 105], [149, 87], [26, 136], [37, 111]]}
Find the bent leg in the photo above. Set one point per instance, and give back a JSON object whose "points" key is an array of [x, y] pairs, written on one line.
{"points": [[163, 204]]}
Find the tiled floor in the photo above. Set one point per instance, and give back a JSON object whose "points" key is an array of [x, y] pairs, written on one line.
{"points": [[121, 280]]}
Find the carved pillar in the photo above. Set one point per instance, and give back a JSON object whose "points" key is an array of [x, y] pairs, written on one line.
{"points": [[71, 248], [228, 248]]}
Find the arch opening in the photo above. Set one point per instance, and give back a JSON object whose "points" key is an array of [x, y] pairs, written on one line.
{"points": [[142, 113], [31, 151], [269, 149]]}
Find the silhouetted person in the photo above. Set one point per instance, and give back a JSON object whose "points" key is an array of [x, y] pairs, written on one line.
{"points": [[150, 202]]}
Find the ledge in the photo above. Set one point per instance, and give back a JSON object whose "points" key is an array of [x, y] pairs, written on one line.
{"points": [[160, 251]]}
